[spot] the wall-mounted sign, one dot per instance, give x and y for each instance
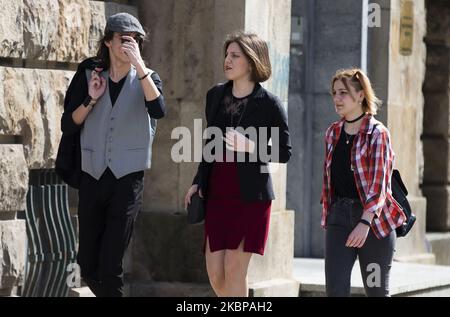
(406, 27)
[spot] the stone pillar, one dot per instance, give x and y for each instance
(436, 124)
(186, 49)
(405, 103)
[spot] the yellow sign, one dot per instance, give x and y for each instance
(406, 27)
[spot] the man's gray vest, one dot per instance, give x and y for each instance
(118, 137)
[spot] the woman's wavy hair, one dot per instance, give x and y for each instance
(359, 81)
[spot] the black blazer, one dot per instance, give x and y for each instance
(68, 159)
(263, 110)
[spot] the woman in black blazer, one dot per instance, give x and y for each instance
(236, 183)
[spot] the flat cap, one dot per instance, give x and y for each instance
(124, 23)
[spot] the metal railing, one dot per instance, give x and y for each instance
(51, 236)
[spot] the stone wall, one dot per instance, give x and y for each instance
(436, 124)
(405, 100)
(405, 120)
(32, 108)
(41, 43)
(182, 52)
(54, 30)
(13, 255)
(13, 189)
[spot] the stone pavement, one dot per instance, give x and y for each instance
(407, 279)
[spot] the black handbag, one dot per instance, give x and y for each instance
(196, 209)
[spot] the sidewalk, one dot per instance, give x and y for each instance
(407, 279)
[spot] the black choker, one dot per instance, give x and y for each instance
(353, 121)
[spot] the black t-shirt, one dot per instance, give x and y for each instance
(115, 88)
(342, 177)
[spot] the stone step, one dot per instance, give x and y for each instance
(440, 242)
(271, 288)
(81, 292)
(275, 288)
(168, 289)
(407, 279)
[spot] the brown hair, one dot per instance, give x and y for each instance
(359, 81)
(103, 51)
(256, 51)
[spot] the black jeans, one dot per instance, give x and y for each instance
(107, 209)
(375, 257)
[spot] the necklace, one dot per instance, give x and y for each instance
(353, 121)
(240, 118)
(238, 104)
(348, 137)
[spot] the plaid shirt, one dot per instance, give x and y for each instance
(372, 165)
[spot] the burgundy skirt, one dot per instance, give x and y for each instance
(229, 219)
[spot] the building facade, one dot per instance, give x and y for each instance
(403, 45)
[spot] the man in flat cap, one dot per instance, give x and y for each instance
(110, 113)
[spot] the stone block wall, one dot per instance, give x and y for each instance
(405, 108)
(436, 123)
(13, 189)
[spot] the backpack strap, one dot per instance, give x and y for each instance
(373, 129)
(370, 139)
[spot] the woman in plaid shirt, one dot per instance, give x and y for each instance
(359, 213)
